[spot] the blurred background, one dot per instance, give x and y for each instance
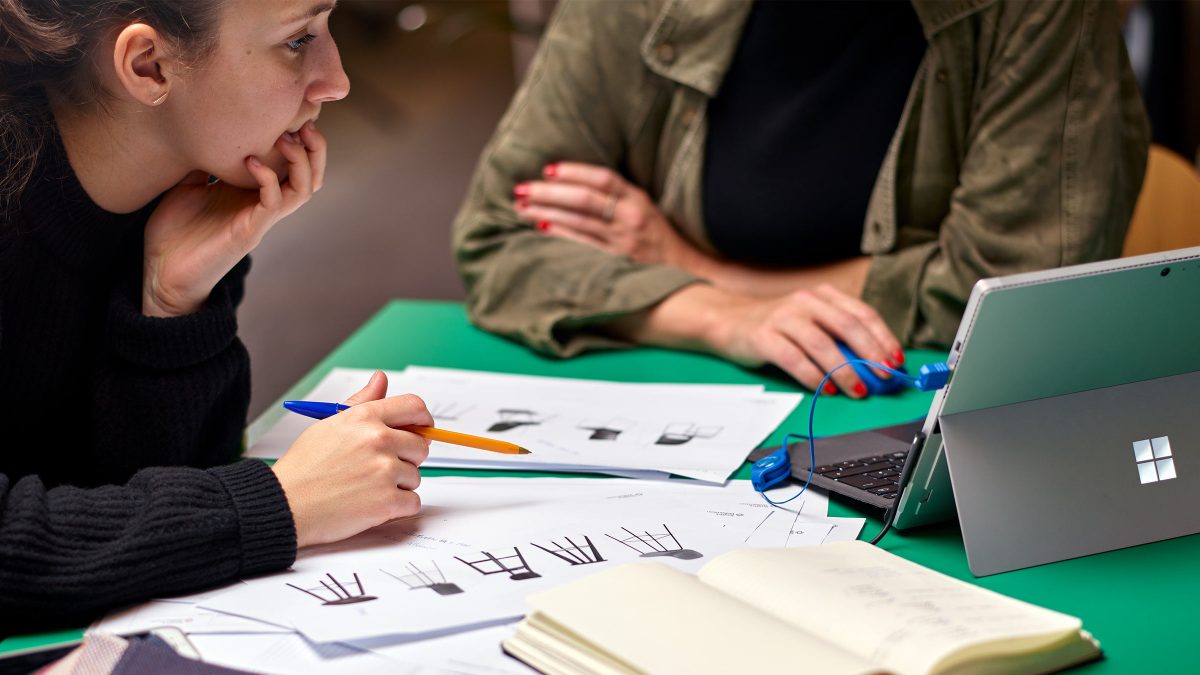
(429, 82)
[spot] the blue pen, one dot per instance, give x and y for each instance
(320, 410)
(315, 409)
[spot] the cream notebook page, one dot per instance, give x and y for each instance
(885, 609)
(700, 630)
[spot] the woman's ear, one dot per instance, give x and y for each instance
(140, 60)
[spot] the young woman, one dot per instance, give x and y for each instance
(761, 180)
(146, 147)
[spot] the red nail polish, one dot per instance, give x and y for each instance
(521, 190)
(898, 357)
(550, 171)
(829, 389)
(522, 204)
(890, 364)
(543, 225)
(860, 389)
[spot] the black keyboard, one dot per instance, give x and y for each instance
(879, 474)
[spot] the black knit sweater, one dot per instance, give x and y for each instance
(92, 392)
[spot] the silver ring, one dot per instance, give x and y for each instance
(610, 208)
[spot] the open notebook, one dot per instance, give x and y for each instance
(840, 608)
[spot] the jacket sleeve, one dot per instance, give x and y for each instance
(545, 291)
(1055, 150)
(68, 554)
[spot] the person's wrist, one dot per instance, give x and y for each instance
(299, 521)
(155, 306)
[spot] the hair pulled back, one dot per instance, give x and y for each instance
(48, 45)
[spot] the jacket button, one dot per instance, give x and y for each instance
(687, 117)
(941, 76)
(665, 52)
(876, 226)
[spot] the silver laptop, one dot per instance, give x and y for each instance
(1071, 424)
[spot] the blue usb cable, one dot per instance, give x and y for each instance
(776, 467)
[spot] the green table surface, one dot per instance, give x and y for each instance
(1140, 602)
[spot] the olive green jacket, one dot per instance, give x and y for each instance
(1021, 147)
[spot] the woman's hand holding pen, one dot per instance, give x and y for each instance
(356, 469)
(199, 231)
(595, 206)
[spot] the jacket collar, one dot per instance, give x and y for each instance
(693, 41)
(936, 15)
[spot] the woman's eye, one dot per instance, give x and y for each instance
(299, 42)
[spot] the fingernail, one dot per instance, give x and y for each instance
(522, 205)
(291, 138)
(521, 190)
(550, 170)
(860, 389)
(898, 357)
(890, 363)
(254, 160)
(543, 225)
(829, 389)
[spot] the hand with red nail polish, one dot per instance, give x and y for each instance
(797, 332)
(595, 206)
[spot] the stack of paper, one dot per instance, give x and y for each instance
(438, 591)
(703, 432)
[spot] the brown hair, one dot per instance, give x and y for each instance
(47, 45)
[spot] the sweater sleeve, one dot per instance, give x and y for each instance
(67, 554)
(170, 391)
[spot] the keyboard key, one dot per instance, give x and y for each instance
(854, 471)
(864, 482)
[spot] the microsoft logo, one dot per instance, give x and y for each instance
(1154, 461)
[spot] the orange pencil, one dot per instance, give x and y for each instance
(467, 440)
(320, 410)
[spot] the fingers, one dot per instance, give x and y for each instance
(861, 327)
(270, 195)
(779, 349)
(315, 142)
(600, 178)
(563, 232)
(299, 184)
(375, 389)
(579, 199)
(398, 411)
(820, 348)
(572, 220)
(406, 503)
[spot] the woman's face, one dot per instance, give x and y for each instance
(273, 66)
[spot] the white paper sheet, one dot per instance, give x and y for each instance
(698, 431)
(481, 545)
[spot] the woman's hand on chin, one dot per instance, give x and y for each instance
(200, 231)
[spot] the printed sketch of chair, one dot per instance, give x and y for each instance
(339, 595)
(511, 418)
(443, 410)
(574, 554)
(652, 545)
(515, 573)
(418, 578)
(607, 430)
(678, 433)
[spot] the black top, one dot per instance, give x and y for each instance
(91, 391)
(800, 126)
